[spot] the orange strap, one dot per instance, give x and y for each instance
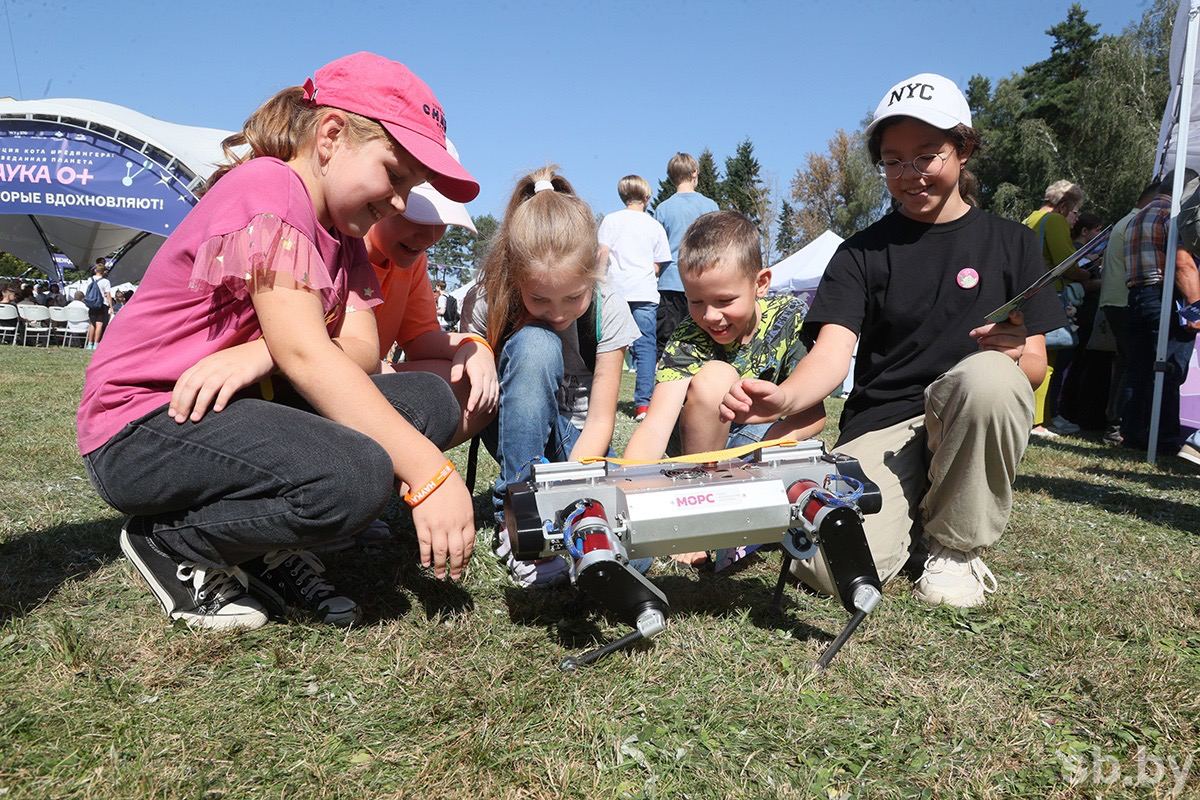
(479, 340)
(698, 458)
(415, 499)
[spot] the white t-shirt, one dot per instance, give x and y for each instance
(104, 286)
(636, 242)
(617, 330)
(77, 327)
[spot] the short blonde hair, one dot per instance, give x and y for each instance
(1063, 194)
(682, 167)
(721, 236)
(633, 188)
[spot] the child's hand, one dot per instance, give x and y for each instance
(445, 524)
(694, 560)
(753, 400)
(476, 362)
(214, 379)
(1007, 337)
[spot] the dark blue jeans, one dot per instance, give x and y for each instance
(261, 476)
(643, 350)
(1142, 317)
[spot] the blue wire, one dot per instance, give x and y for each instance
(569, 532)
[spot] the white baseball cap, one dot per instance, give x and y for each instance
(427, 206)
(929, 97)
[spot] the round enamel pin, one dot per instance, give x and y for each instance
(967, 278)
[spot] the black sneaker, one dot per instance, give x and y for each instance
(288, 579)
(201, 597)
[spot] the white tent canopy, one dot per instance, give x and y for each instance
(178, 156)
(1181, 123)
(1168, 132)
(802, 270)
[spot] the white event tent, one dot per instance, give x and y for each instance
(94, 180)
(802, 270)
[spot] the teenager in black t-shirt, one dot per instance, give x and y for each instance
(942, 402)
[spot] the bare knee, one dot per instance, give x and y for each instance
(708, 386)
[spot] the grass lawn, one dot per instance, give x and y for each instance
(1082, 670)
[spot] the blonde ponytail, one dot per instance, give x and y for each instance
(546, 228)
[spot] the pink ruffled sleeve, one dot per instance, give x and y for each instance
(363, 289)
(267, 245)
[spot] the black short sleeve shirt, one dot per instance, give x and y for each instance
(913, 291)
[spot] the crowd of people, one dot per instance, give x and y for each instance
(1102, 362)
(97, 297)
(266, 327)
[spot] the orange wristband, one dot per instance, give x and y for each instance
(415, 499)
(471, 337)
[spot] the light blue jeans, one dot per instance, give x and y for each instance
(643, 351)
(529, 425)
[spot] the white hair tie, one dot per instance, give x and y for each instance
(542, 185)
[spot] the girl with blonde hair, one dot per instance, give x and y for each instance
(560, 338)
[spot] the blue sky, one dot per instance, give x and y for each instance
(603, 89)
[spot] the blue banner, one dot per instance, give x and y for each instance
(61, 263)
(62, 171)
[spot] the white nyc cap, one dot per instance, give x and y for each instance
(928, 97)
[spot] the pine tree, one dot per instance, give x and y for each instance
(486, 225)
(709, 181)
(743, 188)
(787, 237)
(666, 189)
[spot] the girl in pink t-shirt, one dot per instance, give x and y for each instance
(250, 311)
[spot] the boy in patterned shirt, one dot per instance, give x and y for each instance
(734, 331)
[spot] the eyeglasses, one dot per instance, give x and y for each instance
(926, 166)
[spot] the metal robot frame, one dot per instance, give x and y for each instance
(604, 513)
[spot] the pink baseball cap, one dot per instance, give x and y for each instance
(387, 91)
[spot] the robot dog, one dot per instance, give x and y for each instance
(604, 512)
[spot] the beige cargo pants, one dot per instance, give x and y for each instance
(949, 473)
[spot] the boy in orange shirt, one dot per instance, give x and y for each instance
(407, 317)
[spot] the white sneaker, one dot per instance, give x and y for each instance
(1063, 425)
(954, 578)
(1189, 453)
(1043, 432)
(541, 574)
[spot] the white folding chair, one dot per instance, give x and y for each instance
(58, 323)
(8, 322)
(37, 323)
(74, 316)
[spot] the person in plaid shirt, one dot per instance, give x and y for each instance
(1145, 261)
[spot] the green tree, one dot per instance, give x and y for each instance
(743, 189)
(665, 190)
(450, 258)
(12, 266)
(1120, 108)
(1088, 113)
(487, 225)
(838, 190)
(456, 257)
(787, 234)
(709, 181)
